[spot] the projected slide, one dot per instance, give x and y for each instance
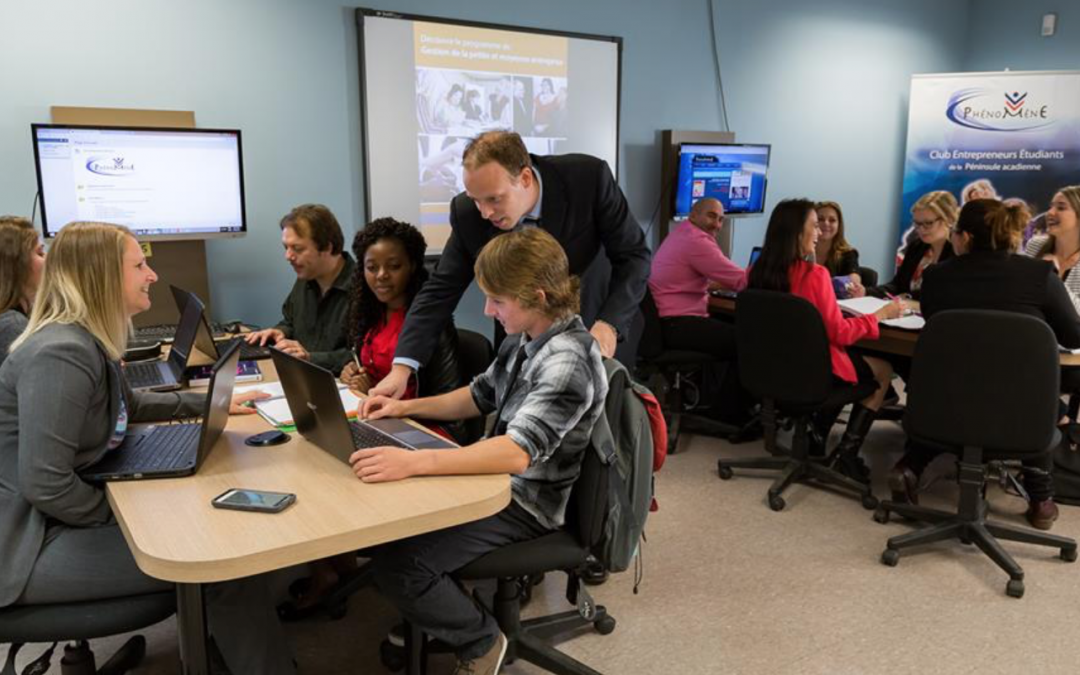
(560, 93)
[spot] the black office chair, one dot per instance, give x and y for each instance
(475, 354)
(869, 276)
(784, 361)
(78, 622)
(671, 367)
(983, 385)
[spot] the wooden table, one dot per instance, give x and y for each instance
(890, 341)
(176, 535)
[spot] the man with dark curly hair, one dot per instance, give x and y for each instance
(312, 326)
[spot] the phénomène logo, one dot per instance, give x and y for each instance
(981, 109)
(109, 166)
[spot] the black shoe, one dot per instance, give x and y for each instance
(904, 485)
(593, 573)
(750, 431)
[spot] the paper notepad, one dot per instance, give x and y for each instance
(275, 409)
(909, 322)
(863, 305)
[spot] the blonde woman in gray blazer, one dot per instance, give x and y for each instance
(63, 405)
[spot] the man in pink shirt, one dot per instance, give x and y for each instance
(688, 263)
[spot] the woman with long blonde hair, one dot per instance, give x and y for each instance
(64, 405)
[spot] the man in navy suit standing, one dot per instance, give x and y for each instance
(573, 197)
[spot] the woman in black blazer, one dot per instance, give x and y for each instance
(986, 275)
(932, 218)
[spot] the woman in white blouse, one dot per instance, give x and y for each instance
(1061, 243)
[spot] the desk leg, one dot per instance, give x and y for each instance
(191, 629)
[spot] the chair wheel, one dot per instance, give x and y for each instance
(605, 625)
(869, 502)
(890, 557)
(1068, 554)
(1015, 588)
(881, 515)
(725, 471)
(777, 503)
(392, 656)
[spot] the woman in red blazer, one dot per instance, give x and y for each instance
(786, 264)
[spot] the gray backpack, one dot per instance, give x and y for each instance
(624, 439)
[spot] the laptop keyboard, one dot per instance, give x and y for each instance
(141, 375)
(166, 447)
(165, 332)
(247, 352)
(364, 436)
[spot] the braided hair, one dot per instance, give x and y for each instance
(365, 310)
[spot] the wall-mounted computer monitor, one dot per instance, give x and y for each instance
(736, 174)
(160, 183)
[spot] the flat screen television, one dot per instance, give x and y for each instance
(736, 174)
(160, 183)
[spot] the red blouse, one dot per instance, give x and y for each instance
(813, 282)
(378, 346)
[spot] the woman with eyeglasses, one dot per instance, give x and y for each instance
(1061, 243)
(932, 217)
(986, 275)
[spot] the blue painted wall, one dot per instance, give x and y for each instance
(1005, 35)
(825, 82)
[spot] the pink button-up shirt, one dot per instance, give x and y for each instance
(687, 260)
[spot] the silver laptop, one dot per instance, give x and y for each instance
(312, 394)
(168, 375)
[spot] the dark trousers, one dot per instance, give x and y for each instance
(1038, 482)
(414, 574)
(731, 402)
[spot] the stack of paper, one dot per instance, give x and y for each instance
(275, 409)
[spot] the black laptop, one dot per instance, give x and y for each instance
(312, 394)
(204, 335)
(172, 450)
(168, 375)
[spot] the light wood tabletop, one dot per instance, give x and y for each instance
(176, 535)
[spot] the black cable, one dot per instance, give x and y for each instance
(652, 218)
(33, 209)
(716, 60)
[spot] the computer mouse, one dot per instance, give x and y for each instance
(274, 437)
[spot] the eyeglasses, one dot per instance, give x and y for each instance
(925, 224)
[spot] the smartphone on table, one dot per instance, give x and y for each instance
(253, 500)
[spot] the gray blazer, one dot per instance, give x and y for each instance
(59, 402)
(12, 324)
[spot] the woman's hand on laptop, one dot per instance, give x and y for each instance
(238, 405)
(292, 348)
(377, 407)
(380, 465)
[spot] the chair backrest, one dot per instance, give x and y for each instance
(783, 348)
(474, 355)
(986, 379)
(869, 276)
(652, 335)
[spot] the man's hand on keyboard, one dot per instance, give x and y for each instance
(238, 404)
(262, 337)
(377, 407)
(379, 465)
